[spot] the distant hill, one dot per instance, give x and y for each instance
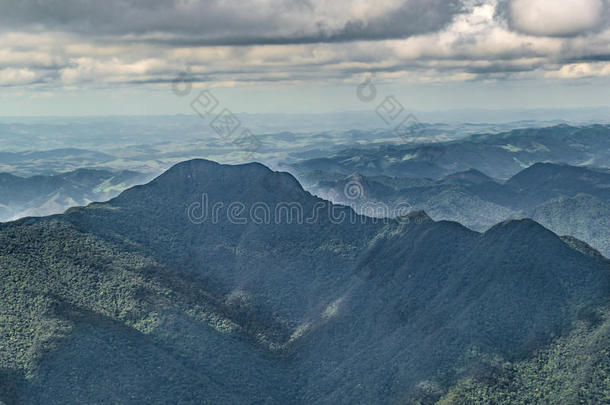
(51, 161)
(152, 298)
(545, 181)
(497, 155)
(46, 195)
(583, 216)
(568, 200)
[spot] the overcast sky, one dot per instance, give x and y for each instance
(121, 56)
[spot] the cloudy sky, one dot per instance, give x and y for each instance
(122, 56)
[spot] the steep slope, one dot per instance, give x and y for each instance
(432, 296)
(575, 369)
(276, 227)
(83, 321)
(582, 216)
(146, 299)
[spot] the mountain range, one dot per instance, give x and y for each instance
(569, 200)
(196, 288)
(434, 150)
(497, 155)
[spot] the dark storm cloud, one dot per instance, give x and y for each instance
(214, 22)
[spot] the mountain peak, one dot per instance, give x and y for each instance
(196, 168)
(245, 183)
(472, 175)
(196, 165)
(526, 225)
(417, 217)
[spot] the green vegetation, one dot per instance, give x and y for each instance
(72, 300)
(575, 369)
(130, 302)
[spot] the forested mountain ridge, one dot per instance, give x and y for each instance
(140, 300)
(569, 200)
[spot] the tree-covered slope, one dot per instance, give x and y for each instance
(574, 369)
(85, 322)
(144, 299)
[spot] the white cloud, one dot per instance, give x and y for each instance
(87, 69)
(556, 17)
(580, 70)
(14, 77)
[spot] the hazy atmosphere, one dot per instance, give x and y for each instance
(305, 202)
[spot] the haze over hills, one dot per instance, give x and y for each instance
(153, 144)
(295, 202)
(150, 298)
(431, 173)
(568, 200)
(497, 155)
(47, 162)
(46, 195)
